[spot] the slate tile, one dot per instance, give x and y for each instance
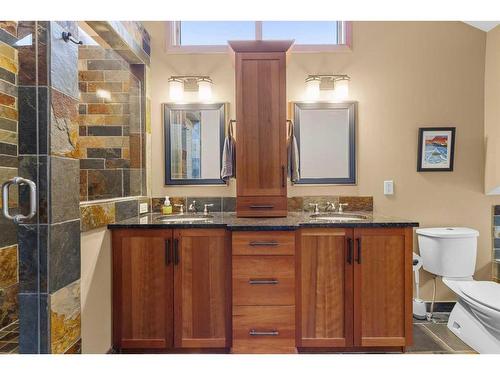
(7, 76)
(9, 161)
(104, 184)
(91, 163)
(33, 323)
(8, 306)
(33, 242)
(64, 189)
(64, 125)
(64, 254)
(9, 232)
(107, 131)
(33, 67)
(63, 63)
(6, 124)
(104, 153)
(97, 215)
(8, 149)
(117, 163)
(29, 114)
(126, 209)
(201, 201)
(229, 204)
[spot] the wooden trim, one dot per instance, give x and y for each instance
(323, 343)
(383, 341)
(143, 343)
(203, 343)
(408, 233)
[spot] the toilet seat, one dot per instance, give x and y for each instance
(486, 293)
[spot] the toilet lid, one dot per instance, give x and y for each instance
(485, 292)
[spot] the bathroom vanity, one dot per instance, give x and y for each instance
(276, 285)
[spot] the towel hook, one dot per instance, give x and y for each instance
(289, 130)
(67, 37)
(230, 128)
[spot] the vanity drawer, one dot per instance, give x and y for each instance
(261, 206)
(266, 280)
(264, 329)
(264, 243)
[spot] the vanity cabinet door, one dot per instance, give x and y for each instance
(202, 260)
(325, 274)
(383, 287)
(142, 289)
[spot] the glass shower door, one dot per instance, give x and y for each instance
(21, 46)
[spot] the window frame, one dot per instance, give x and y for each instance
(344, 34)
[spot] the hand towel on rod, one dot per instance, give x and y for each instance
(229, 155)
(293, 155)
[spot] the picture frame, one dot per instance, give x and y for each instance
(436, 149)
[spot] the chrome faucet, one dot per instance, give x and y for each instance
(341, 207)
(181, 208)
(205, 210)
(316, 207)
(330, 205)
(192, 207)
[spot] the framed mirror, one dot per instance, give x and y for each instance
(194, 138)
(326, 141)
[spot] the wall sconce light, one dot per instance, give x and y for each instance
(179, 84)
(338, 82)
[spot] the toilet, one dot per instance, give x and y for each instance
(451, 254)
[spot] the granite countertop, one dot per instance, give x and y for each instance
(293, 221)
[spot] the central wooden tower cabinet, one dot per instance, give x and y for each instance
(261, 157)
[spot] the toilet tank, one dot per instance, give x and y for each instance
(448, 252)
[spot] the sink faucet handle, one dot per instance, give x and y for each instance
(341, 206)
(192, 207)
(316, 207)
(205, 210)
(181, 208)
(330, 205)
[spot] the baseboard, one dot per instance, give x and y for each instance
(440, 306)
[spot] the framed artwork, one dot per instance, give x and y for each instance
(436, 149)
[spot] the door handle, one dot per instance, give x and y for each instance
(168, 252)
(176, 251)
(254, 332)
(261, 206)
(358, 259)
(263, 243)
(19, 218)
(349, 250)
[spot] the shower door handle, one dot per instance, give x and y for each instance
(18, 218)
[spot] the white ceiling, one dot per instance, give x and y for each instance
(483, 25)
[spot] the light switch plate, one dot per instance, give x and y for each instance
(389, 187)
(143, 208)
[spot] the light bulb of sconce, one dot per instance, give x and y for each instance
(204, 90)
(312, 88)
(341, 90)
(176, 88)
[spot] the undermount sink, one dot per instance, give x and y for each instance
(184, 218)
(332, 216)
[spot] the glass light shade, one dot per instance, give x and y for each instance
(312, 88)
(176, 88)
(204, 90)
(341, 91)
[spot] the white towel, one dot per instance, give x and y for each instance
(293, 159)
(228, 159)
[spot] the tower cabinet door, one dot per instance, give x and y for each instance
(383, 287)
(202, 288)
(142, 289)
(325, 274)
(261, 127)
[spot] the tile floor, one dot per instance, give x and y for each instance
(428, 338)
(9, 339)
(435, 337)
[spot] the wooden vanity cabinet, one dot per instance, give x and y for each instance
(354, 287)
(261, 165)
(171, 289)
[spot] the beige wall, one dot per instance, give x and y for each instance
(492, 111)
(404, 75)
(96, 291)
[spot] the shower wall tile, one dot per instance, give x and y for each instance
(33, 245)
(9, 307)
(201, 201)
(104, 184)
(35, 168)
(63, 62)
(228, 204)
(64, 257)
(31, 54)
(34, 323)
(64, 125)
(65, 318)
(64, 191)
(29, 114)
(9, 263)
(8, 230)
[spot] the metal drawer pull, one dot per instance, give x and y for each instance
(262, 206)
(254, 332)
(263, 281)
(263, 243)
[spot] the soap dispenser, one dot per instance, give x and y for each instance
(166, 209)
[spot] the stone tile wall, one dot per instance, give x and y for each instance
(111, 126)
(9, 264)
